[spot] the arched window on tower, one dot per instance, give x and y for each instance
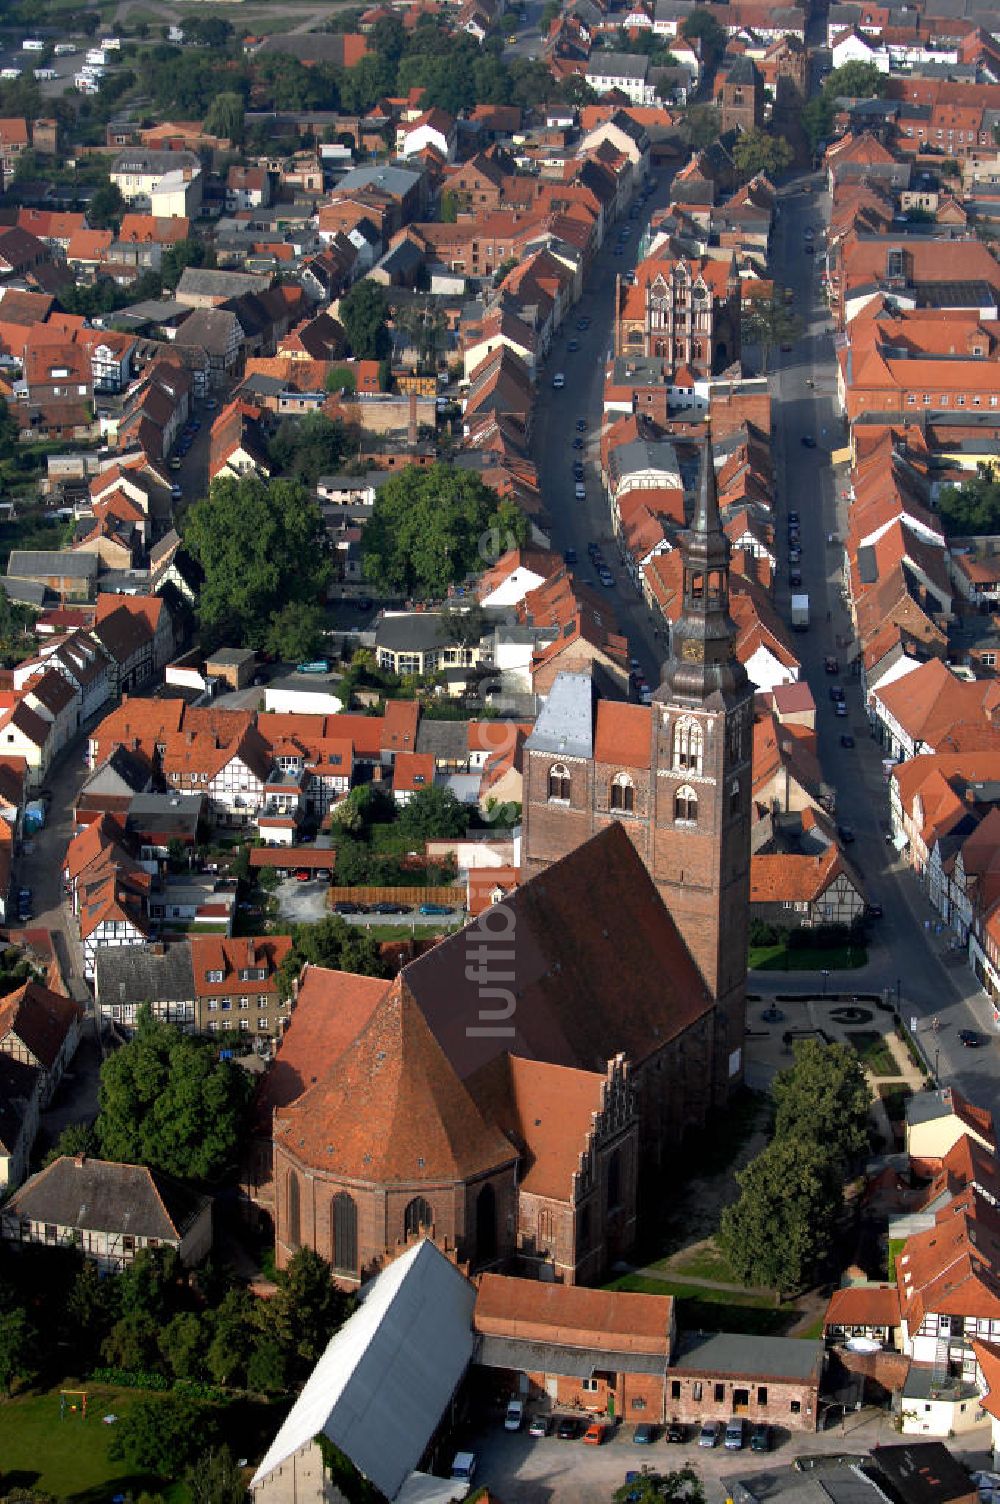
(559, 781)
(689, 744)
(344, 1233)
(622, 793)
(418, 1215)
(686, 805)
(294, 1237)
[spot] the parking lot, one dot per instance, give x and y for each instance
(522, 1469)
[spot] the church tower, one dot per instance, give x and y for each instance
(702, 736)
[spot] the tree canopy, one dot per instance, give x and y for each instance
(854, 80)
(768, 322)
(332, 943)
(261, 545)
(168, 1101)
(757, 150)
(702, 26)
(306, 448)
(823, 1099)
(432, 814)
(432, 527)
(362, 312)
(972, 508)
(780, 1230)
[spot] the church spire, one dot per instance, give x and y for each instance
(702, 660)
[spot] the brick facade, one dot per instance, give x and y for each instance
(696, 1397)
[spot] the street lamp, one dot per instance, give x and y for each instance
(826, 978)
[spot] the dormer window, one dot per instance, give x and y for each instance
(214, 976)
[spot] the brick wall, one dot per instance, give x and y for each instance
(703, 1396)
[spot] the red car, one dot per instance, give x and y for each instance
(302, 876)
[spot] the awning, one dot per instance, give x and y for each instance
(900, 840)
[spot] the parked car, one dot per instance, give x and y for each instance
(569, 556)
(836, 693)
(435, 908)
(847, 741)
(644, 1434)
(558, 381)
(808, 442)
(596, 1433)
(573, 346)
(795, 578)
(464, 1466)
(385, 907)
(846, 834)
(840, 709)
(676, 1432)
(541, 1425)
(831, 665)
(344, 907)
(568, 1428)
(735, 1434)
(580, 491)
(303, 875)
(581, 425)
(970, 1039)
(577, 443)
(760, 1438)
(514, 1418)
(793, 518)
(708, 1436)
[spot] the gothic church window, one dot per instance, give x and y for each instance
(559, 784)
(622, 793)
(686, 805)
(688, 744)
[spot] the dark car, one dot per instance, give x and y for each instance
(578, 470)
(677, 1432)
(760, 1438)
(581, 425)
(808, 249)
(795, 579)
(831, 665)
(644, 1434)
(568, 1428)
(569, 556)
(847, 741)
(846, 834)
(836, 693)
(573, 346)
(389, 908)
(344, 907)
(808, 442)
(793, 519)
(873, 911)
(577, 443)
(970, 1039)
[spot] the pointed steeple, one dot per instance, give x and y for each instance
(703, 662)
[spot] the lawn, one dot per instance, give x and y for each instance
(781, 958)
(706, 1263)
(895, 1249)
(704, 1310)
(873, 1051)
(69, 1457)
(406, 932)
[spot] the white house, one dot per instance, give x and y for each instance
(434, 129)
(626, 71)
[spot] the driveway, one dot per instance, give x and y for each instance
(524, 1470)
(302, 903)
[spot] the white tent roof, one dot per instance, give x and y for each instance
(381, 1387)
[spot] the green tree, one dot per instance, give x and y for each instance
(305, 1311)
(225, 116)
(297, 632)
(132, 1342)
(19, 1349)
(306, 448)
(431, 527)
(260, 544)
(75, 1139)
(182, 1344)
(8, 431)
(167, 1101)
(682, 1485)
(854, 80)
(757, 150)
(333, 944)
(551, 10)
(780, 1230)
(234, 1337)
(215, 1478)
(768, 322)
(702, 124)
(823, 1098)
(362, 312)
(87, 1314)
(972, 508)
(433, 814)
(702, 26)
(268, 1371)
(106, 206)
(161, 1435)
(341, 379)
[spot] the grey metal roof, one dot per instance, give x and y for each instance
(385, 1380)
(137, 974)
(760, 1357)
(551, 1357)
(566, 721)
(928, 1106)
(867, 564)
(210, 282)
(831, 1483)
(145, 160)
(29, 563)
(25, 592)
(447, 739)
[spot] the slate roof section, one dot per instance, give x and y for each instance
(97, 1195)
(792, 1359)
(141, 974)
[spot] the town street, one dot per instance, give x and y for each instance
(907, 956)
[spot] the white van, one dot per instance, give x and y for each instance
(98, 56)
(65, 49)
(32, 44)
(44, 73)
(464, 1466)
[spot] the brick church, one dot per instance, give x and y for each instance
(508, 1088)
